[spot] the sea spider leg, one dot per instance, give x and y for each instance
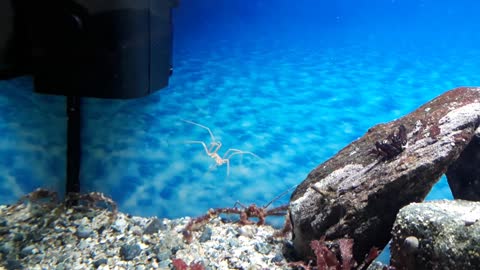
(214, 147)
(214, 144)
(207, 150)
(212, 152)
(232, 152)
(214, 141)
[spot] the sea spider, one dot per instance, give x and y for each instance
(215, 145)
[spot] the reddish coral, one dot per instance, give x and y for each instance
(180, 264)
(326, 259)
(346, 247)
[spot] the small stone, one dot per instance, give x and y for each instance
(175, 249)
(28, 250)
(37, 258)
(82, 245)
(60, 266)
(4, 231)
(206, 235)
(83, 231)
(377, 266)
(63, 258)
(164, 255)
(278, 258)
(129, 252)
(262, 248)
(410, 244)
(104, 267)
(3, 222)
(101, 229)
(6, 248)
(154, 226)
(233, 242)
(35, 236)
(18, 237)
(246, 231)
(164, 264)
(136, 231)
(120, 225)
(140, 267)
(13, 264)
(231, 231)
(99, 262)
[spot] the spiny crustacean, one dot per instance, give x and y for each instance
(393, 145)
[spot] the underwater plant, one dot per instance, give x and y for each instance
(180, 264)
(214, 147)
(337, 255)
(393, 145)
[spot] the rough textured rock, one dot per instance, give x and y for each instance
(464, 174)
(437, 235)
(357, 194)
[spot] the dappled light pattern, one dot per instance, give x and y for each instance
(294, 105)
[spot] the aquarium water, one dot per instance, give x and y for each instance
(283, 85)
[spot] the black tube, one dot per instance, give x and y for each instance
(73, 144)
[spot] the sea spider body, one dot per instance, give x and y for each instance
(215, 146)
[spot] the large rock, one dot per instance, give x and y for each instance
(464, 174)
(358, 192)
(437, 235)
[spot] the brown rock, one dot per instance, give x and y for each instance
(464, 174)
(358, 192)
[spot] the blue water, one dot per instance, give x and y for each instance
(291, 82)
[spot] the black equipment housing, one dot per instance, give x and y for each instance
(88, 48)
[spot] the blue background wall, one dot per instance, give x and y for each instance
(291, 81)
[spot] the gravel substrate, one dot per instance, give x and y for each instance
(41, 236)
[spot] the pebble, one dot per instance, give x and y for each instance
(262, 248)
(3, 231)
(206, 235)
(83, 231)
(164, 255)
(35, 236)
(99, 262)
(18, 237)
(28, 250)
(6, 247)
(411, 244)
(154, 226)
(120, 225)
(164, 264)
(3, 222)
(128, 252)
(278, 258)
(90, 239)
(13, 264)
